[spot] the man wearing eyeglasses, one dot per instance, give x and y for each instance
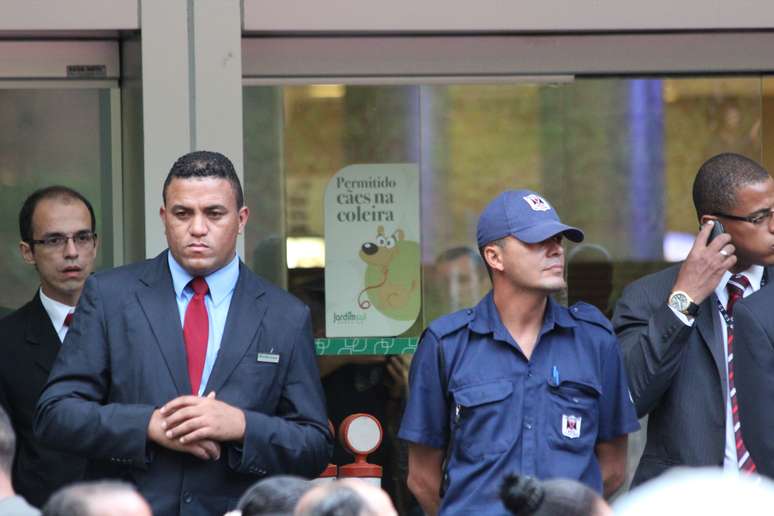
(677, 331)
(58, 238)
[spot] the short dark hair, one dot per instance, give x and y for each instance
(7, 443)
(205, 164)
(76, 499)
(274, 495)
(528, 496)
(720, 178)
(454, 253)
(50, 192)
(339, 500)
(500, 242)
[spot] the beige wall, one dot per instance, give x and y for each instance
(506, 15)
(413, 15)
(64, 15)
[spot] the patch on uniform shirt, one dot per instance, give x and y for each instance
(537, 203)
(571, 426)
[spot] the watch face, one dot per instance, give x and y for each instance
(679, 301)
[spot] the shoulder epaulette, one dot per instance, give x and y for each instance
(585, 312)
(451, 322)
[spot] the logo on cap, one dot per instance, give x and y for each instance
(536, 202)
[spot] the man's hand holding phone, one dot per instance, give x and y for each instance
(712, 254)
(717, 230)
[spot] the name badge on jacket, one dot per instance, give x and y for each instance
(271, 358)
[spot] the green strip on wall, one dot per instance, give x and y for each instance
(366, 345)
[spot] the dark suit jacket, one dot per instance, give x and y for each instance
(676, 375)
(124, 356)
(28, 347)
(754, 375)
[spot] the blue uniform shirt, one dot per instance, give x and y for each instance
(495, 412)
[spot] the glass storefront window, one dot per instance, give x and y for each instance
(615, 156)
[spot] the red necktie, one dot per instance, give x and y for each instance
(736, 286)
(196, 331)
(68, 319)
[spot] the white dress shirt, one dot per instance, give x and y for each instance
(56, 312)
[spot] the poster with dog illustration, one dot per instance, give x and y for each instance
(372, 252)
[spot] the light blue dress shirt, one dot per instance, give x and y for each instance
(222, 283)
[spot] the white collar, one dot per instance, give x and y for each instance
(56, 311)
(754, 274)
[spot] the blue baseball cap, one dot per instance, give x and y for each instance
(524, 214)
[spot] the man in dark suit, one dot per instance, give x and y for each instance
(754, 357)
(187, 374)
(57, 227)
(674, 325)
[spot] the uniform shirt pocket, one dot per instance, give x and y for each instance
(484, 419)
(573, 413)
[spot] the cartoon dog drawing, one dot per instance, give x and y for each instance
(392, 275)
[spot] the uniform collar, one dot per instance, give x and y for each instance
(486, 319)
(56, 311)
(221, 282)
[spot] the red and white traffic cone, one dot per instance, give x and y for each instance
(361, 435)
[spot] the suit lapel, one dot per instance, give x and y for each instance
(41, 336)
(708, 324)
(245, 313)
(158, 303)
(768, 275)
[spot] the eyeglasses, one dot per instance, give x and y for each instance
(756, 218)
(82, 239)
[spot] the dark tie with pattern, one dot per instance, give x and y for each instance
(736, 286)
(196, 331)
(68, 319)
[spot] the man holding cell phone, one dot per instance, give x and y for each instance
(676, 326)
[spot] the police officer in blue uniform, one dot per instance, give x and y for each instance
(519, 383)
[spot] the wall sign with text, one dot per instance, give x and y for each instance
(372, 252)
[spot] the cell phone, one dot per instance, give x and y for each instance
(717, 229)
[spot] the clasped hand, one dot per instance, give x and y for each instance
(197, 425)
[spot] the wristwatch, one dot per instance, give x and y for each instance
(683, 303)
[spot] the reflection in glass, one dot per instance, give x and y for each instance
(51, 137)
(616, 157)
